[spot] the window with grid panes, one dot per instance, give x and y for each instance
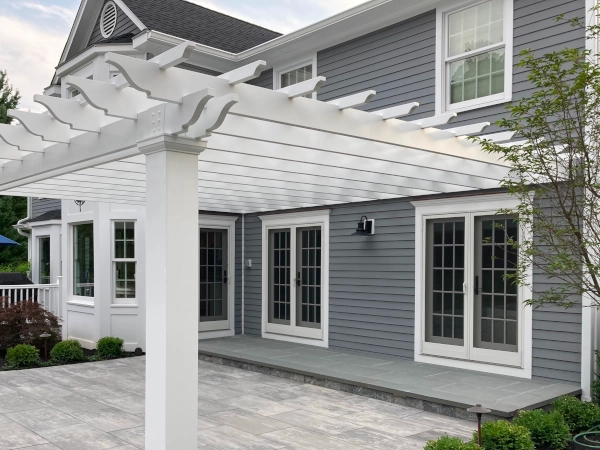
(475, 53)
(124, 260)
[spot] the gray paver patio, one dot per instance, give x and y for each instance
(239, 410)
(402, 378)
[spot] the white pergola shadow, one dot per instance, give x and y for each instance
(178, 141)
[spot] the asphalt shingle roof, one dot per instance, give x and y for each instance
(198, 24)
(55, 214)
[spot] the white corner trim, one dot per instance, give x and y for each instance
(138, 23)
(441, 81)
(278, 71)
(294, 220)
(467, 207)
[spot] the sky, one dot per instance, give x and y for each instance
(33, 32)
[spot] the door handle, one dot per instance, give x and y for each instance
(477, 285)
(298, 280)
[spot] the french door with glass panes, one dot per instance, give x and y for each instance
(295, 281)
(472, 307)
(214, 279)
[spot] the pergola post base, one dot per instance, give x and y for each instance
(172, 292)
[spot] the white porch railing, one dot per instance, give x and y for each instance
(47, 295)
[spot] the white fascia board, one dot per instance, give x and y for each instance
(342, 27)
(89, 54)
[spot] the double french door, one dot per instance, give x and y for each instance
(214, 279)
(295, 281)
(471, 304)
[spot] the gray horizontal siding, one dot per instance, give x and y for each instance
(253, 276)
(124, 27)
(372, 280)
(399, 61)
(265, 80)
(40, 206)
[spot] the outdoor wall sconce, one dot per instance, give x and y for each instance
(366, 227)
(79, 203)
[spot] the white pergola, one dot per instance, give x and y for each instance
(178, 141)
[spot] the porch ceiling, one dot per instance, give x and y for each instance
(265, 150)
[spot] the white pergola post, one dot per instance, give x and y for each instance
(172, 281)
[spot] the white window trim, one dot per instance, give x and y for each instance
(441, 75)
(301, 219)
(132, 301)
(222, 328)
(482, 204)
(279, 71)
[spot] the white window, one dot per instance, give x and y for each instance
(467, 306)
(474, 55)
(295, 277)
(44, 260)
(297, 73)
(124, 261)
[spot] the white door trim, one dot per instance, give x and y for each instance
(464, 357)
(222, 328)
(282, 332)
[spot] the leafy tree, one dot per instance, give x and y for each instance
(9, 98)
(555, 172)
(12, 209)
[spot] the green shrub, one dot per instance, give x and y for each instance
(579, 416)
(596, 382)
(67, 352)
(502, 435)
(449, 443)
(23, 355)
(546, 430)
(110, 347)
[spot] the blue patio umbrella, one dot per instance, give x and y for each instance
(7, 241)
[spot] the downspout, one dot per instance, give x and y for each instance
(243, 268)
(19, 226)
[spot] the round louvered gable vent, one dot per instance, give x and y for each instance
(108, 20)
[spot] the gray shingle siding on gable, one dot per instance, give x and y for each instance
(125, 27)
(40, 206)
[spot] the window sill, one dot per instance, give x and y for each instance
(476, 105)
(87, 304)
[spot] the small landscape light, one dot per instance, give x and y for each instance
(45, 337)
(479, 411)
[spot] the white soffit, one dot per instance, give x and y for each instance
(264, 152)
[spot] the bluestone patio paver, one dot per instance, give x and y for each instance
(239, 410)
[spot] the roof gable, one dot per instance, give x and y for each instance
(198, 24)
(125, 30)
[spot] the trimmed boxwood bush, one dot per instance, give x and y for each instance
(23, 355)
(110, 347)
(502, 435)
(579, 416)
(546, 430)
(450, 443)
(67, 352)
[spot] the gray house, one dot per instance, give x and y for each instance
(279, 255)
